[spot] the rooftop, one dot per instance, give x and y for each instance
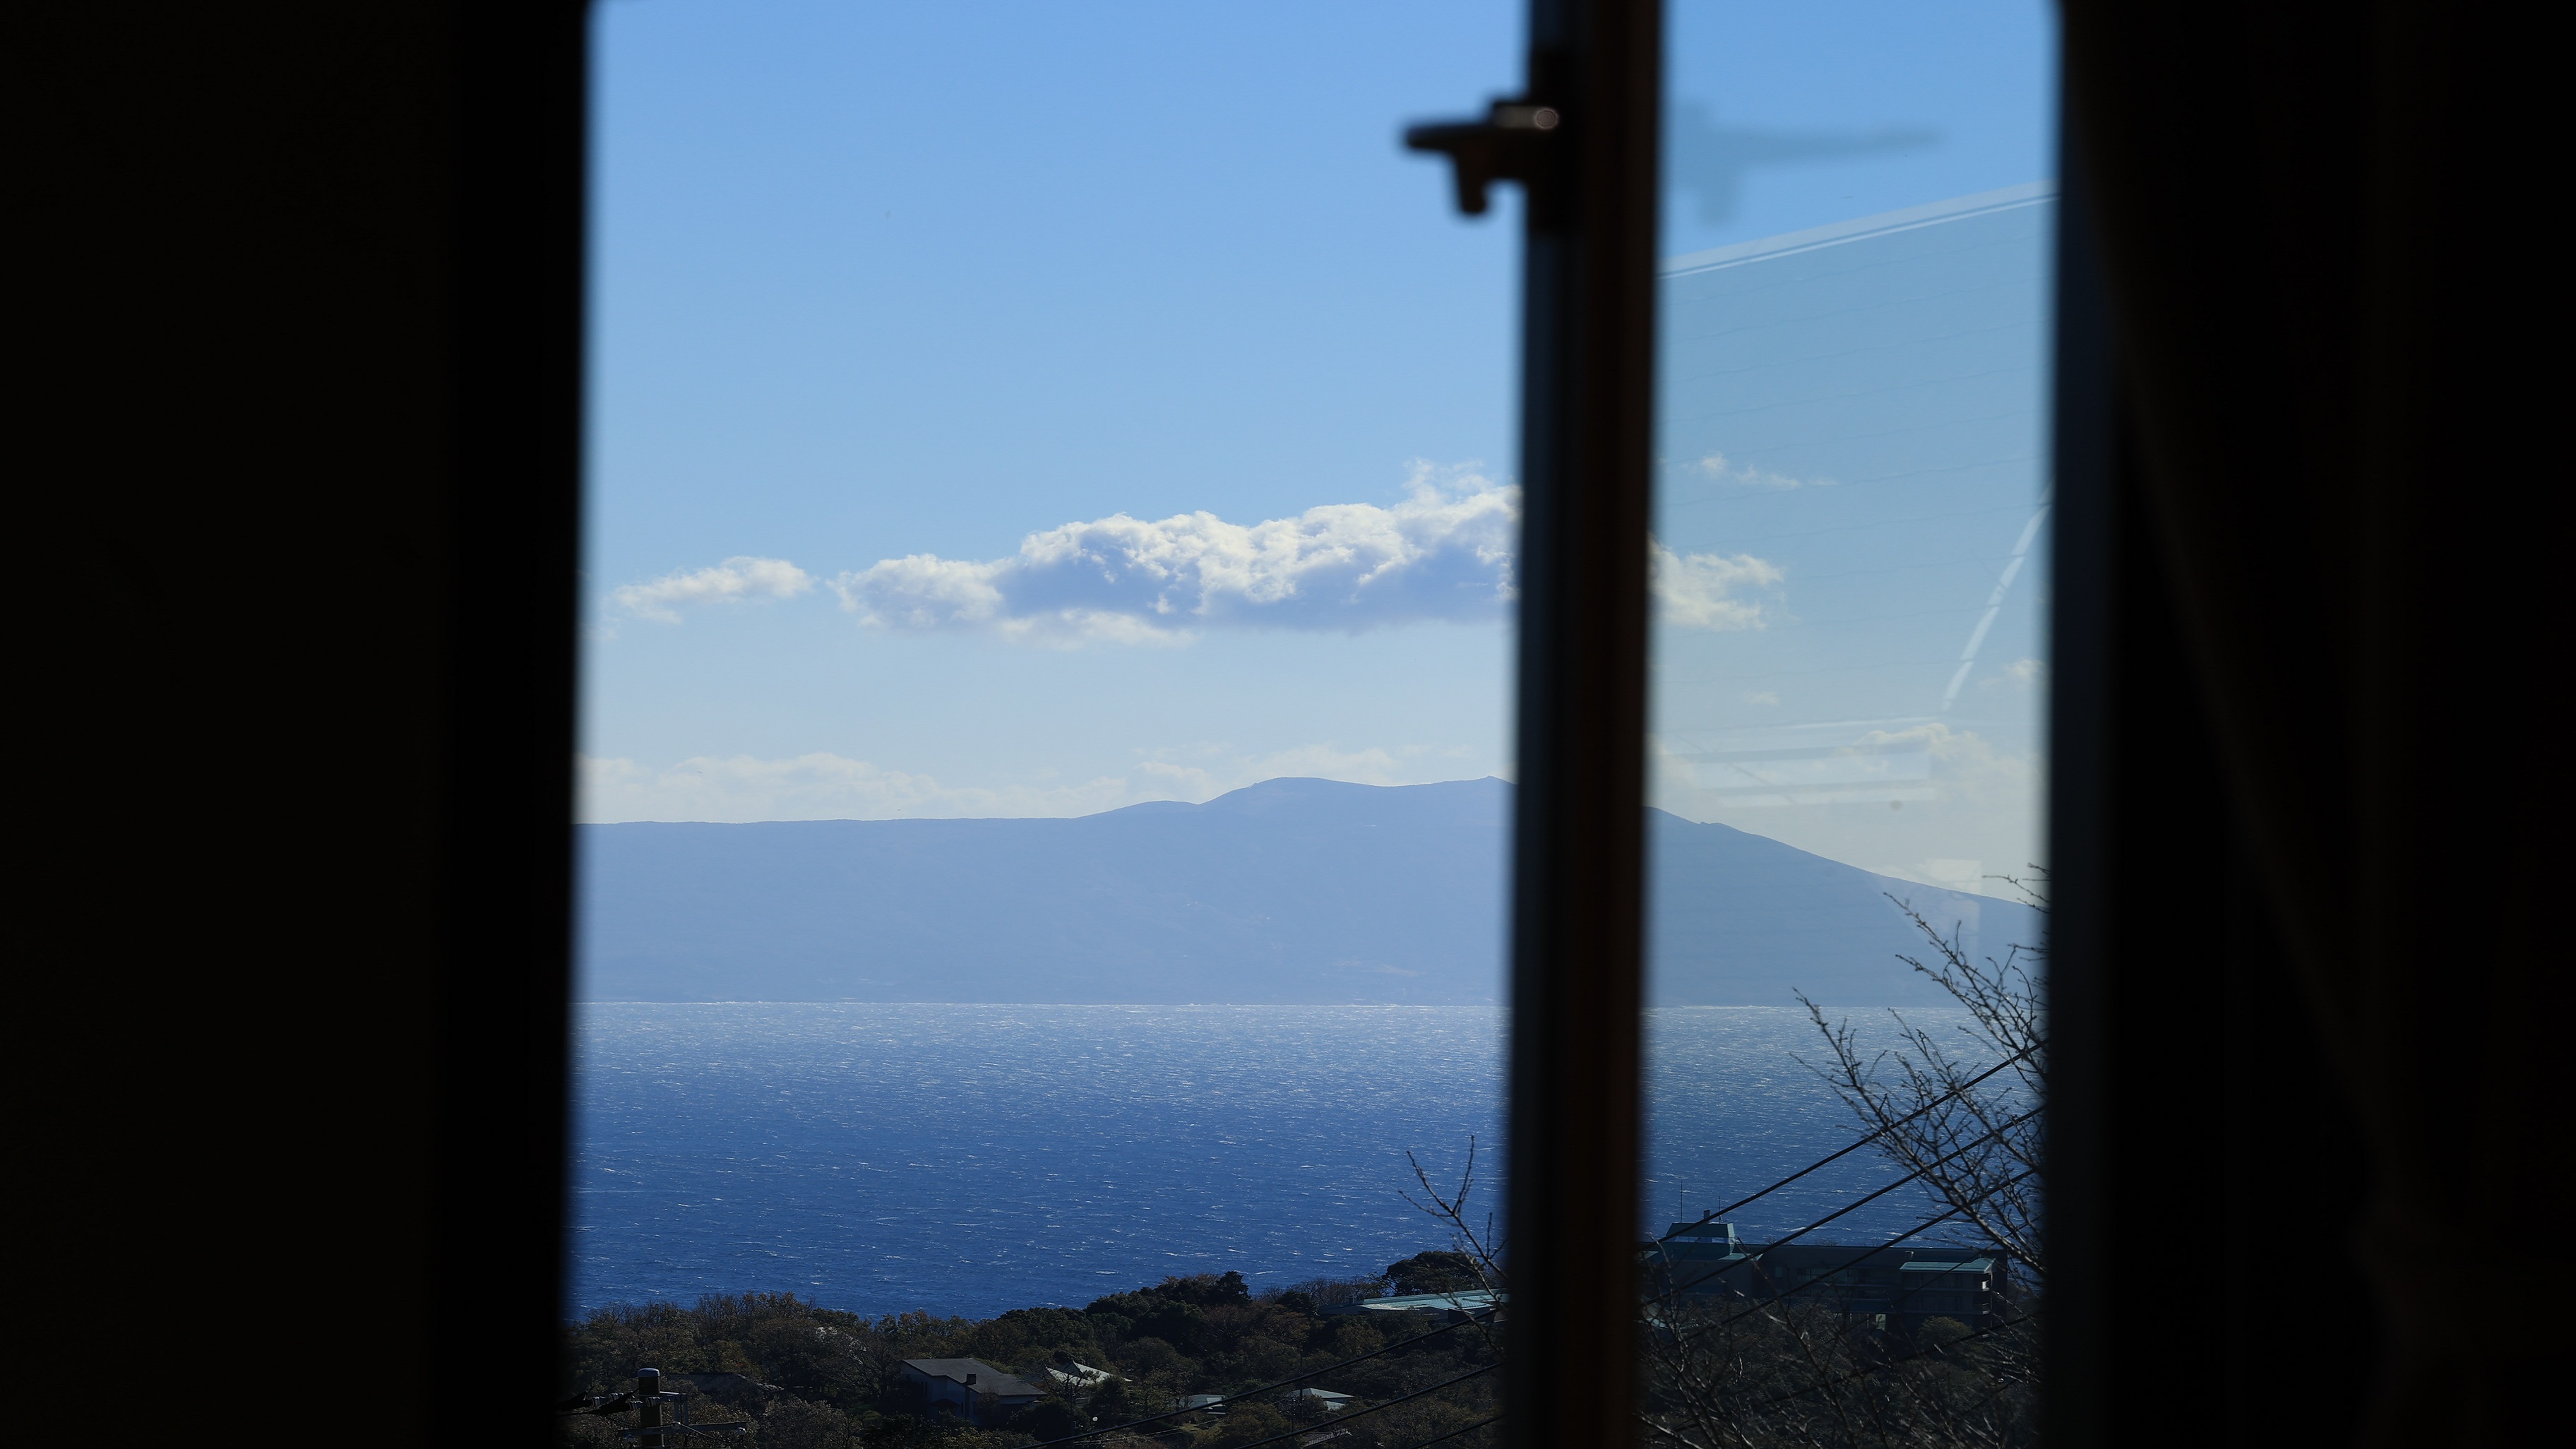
(988, 1379)
(1472, 1301)
(1972, 1265)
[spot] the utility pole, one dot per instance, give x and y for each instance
(648, 1409)
(652, 1429)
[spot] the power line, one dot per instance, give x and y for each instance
(1802, 1232)
(1417, 1338)
(1757, 1305)
(1714, 1214)
(1486, 1422)
(1860, 1257)
(1934, 1221)
(1462, 1429)
(1938, 1348)
(1448, 1328)
(1472, 1317)
(1855, 1375)
(1856, 1204)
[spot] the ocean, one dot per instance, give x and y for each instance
(972, 1159)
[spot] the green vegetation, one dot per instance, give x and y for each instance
(1806, 1375)
(818, 1378)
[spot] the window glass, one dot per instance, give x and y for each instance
(1046, 716)
(1849, 672)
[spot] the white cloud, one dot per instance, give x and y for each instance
(1412, 766)
(823, 786)
(730, 582)
(1445, 552)
(1974, 800)
(1715, 468)
(1701, 591)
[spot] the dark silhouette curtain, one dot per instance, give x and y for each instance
(2330, 281)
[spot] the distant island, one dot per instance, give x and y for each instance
(1289, 891)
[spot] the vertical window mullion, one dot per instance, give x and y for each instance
(1579, 856)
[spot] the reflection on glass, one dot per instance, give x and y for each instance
(1052, 543)
(1849, 568)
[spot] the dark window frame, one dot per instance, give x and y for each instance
(316, 291)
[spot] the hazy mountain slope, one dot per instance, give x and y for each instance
(1741, 919)
(1289, 891)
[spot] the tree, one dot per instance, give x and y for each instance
(797, 1424)
(1434, 1272)
(1049, 1418)
(1247, 1423)
(1959, 1115)
(1971, 1134)
(1111, 1403)
(1474, 1259)
(1804, 1375)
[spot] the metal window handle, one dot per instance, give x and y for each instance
(1510, 144)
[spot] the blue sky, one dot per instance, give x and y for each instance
(1035, 408)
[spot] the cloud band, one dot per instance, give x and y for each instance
(731, 582)
(1444, 552)
(1447, 551)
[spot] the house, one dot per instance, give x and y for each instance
(983, 1393)
(1898, 1285)
(1330, 1401)
(1455, 1306)
(1080, 1375)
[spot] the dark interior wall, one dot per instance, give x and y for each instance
(301, 334)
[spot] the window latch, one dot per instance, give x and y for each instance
(1510, 144)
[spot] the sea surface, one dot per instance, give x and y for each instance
(972, 1159)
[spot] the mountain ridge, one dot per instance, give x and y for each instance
(1291, 891)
